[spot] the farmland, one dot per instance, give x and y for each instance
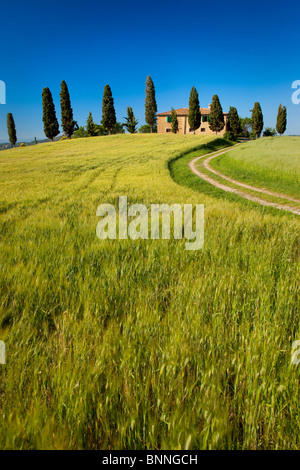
(123, 344)
(273, 163)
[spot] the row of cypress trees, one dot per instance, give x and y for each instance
(109, 115)
(51, 126)
(109, 121)
(216, 117)
(217, 121)
(257, 120)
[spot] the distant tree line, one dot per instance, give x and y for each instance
(109, 124)
(51, 126)
(236, 127)
(252, 128)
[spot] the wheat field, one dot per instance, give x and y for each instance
(140, 344)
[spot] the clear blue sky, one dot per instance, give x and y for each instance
(242, 51)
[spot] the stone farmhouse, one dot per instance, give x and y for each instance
(164, 122)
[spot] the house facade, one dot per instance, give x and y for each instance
(164, 122)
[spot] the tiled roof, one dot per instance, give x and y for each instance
(185, 112)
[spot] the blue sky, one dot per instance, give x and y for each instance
(242, 51)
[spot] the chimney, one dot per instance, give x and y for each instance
(209, 106)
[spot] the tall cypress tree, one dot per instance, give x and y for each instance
(109, 119)
(150, 103)
(51, 127)
(11, 129)
(281, 120)
(234, 123)
(67, 122)
(257, 120)
(216, 117)
(194, 116)
(174, 121)
(131, 121)
(91, 130)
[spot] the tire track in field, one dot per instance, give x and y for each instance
(240, 193)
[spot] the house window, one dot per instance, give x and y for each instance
(203, 129)
(205, 118)
(168, 130)
(169, 118)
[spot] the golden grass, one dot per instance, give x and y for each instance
(141, 344)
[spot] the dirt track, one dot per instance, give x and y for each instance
(240, 193)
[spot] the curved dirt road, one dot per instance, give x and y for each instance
(240, 193)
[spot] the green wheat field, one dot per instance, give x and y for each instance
(123, 344)
(273, 163)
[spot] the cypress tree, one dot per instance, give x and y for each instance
(108, 111)
(194, 117)
(150, 103)
(257, 120)
(51, 127)
(216, 117)
(67, 122)
(91, 130)
(234, 122)
(11, 129)
(281, 120)
(131, 122)
(174, 121)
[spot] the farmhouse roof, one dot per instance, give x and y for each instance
(185, 112)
